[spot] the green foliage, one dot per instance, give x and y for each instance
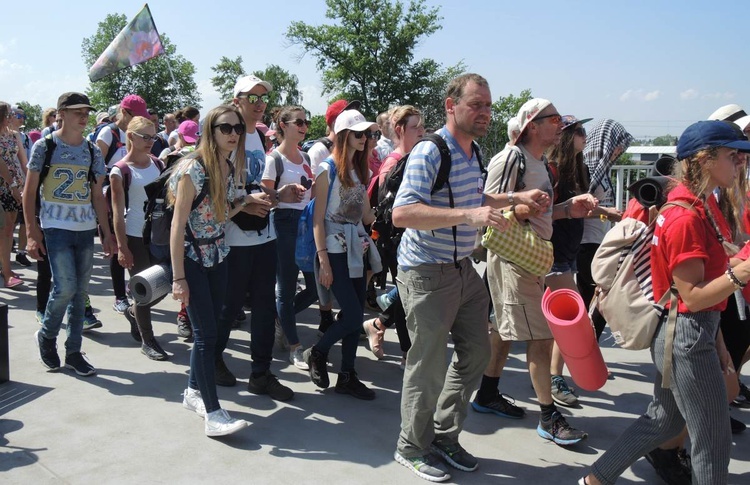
(33, 115)
(664, 141)
(625, 159)
(503, 109)
(317, 128)
(150, 80)
(367, 53)
(227, 71)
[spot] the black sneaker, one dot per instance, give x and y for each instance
(22, 259)
(737, 425)
(670, 467)
(428, 467)
(559, 431)
(184, 329)
(349, 383)
(134, 332)
(318, 363)
(455, 455)
(80, 364)
(47, 351)
(269, 384)
(500, 405)
(222, 375)
(151, 349)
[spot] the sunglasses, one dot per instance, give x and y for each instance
(146, 138)
(254, 98)
(226, 128)
(299, 122)
(367, 133)
(555, 118)
(20, 116)
(580, 131)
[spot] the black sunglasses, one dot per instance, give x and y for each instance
(299, 122)
(580, 131)
(373, 135)
(226, 128)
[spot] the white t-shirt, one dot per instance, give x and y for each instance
(106, 136)
(173, 137)
(318, 152)
(255, 160)
(292, 174)
(347, 209)
(134, 214)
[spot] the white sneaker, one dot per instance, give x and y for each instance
(295, 357)
(219, 423)
(193, 401)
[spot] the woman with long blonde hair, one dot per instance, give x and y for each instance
(202, 191)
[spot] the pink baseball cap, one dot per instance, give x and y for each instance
(135, 104)
(189, 131)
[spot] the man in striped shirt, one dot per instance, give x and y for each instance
(441, 291)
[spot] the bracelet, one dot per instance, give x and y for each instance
(178, 279)
(735, 281)
(510, 199)
(321, 251)
(243, 203)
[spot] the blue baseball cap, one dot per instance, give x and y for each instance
(707, 134)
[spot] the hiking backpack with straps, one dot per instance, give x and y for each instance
(388, 234)
(158, 214)
(624, 295)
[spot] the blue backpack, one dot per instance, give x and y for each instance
(304, 251)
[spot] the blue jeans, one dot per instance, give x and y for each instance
(71, 259)
(207, 289)
(252, 269)
(288, 304)
(350, 293)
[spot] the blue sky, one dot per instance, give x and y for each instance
(656, 66)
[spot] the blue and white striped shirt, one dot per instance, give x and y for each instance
(436, 246)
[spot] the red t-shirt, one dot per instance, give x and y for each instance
(682, 234)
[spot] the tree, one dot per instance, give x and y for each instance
(317, 128)
(664, 141)
(227, 71)
(503, 109)
(150, 80)
(33, 115)
(367, 52)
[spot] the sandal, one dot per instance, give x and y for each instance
(374, 337)
(13, 282)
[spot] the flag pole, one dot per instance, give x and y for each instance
(166, 54)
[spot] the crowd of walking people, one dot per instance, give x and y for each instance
(390, 196)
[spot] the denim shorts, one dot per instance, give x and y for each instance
(560, 267)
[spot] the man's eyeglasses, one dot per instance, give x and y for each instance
(146, 138)
(299, 122)
(554, 118)
(254, 98)
(226, 128)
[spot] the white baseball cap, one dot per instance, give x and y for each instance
(529, 111)
(729, 112)
(246, 83)
(353, 120)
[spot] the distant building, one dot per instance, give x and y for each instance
(643, 155)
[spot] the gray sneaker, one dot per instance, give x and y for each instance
(562, 394)
(428, 467)
(455, 455)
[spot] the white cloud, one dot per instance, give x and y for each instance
(689, 94)
(5, 46)
(639, 95)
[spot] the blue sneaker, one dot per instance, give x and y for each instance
(90, 321)
(121, 305)
(384, 302)
(500, 406)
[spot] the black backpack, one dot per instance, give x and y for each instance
(116, 142)
(158, 214)
(389, 235)
(50, 145)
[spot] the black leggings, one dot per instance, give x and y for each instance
(736, 332)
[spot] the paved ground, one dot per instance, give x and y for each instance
(127, 425)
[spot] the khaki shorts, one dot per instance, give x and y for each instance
(517, 299)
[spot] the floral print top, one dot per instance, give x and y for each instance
(8, 152)
(202, 220)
